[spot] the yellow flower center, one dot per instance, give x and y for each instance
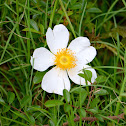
(65, 59)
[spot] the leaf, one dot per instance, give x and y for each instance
(34, 25)
(95, 111)
(123, 94)
(78, 90)
(36, 108)
(32, 30)
(94, 102)
(3, 90)
(101, 79)
(75, 6)
(99, 117)
(15, 116)
(125, 110)
(82, 112)
(1, 101)
(6, 108)
(83, 92)
(94, 10)
(101, 92)
(33, 108)
(83, 97)
(10, 97)
(73, 2)
(38, 77)
(25, 100)
(66, 95)
(69, 13)
(32, 120)
(121, 30)
(52, 103)
(87, 75)
(51, 123)
(67, 107)
(41, 28)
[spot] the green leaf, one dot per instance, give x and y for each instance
(66, 95)
(33, 108)
(123, 94)
(51, 123)
(25, 100)
(83, 92)
(67, 107)
(75, 6)
(77, 90)
(41, 28)
(95, 111)
(101, 79)
(34, 25)
(1, 101)
(73, 2)
(94, 10)
(32, 30)
(6, 108)
(94, 102)
(32, 120)
(83, 97)
(87, 75)
(10, 97)
(52, 103)
(3, 90)
(15, 116)
(69, 13)
(82, 112)
(101, 92)
(38, 77)
(99, 117)
(125, 110)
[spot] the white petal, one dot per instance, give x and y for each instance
(79, 44)
(55, 81)
(42, 59)
(57, 38)
(87, 55)
(73, 74)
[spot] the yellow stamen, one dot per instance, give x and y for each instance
(65, 59)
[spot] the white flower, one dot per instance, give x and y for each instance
(68, 61)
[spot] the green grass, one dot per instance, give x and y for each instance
(23, 26)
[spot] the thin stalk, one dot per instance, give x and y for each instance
(28, 41)
(122, 88)
(52, 15)
(82, 16)
(64, 10)
(46, 14)
(4, 50)
(11, 86)
(63, 13)
(17, 10)
(118, 53)
(124, 2)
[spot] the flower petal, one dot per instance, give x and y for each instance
(55, 81)
(57, 38)
(42, 59)
(79, 44)
(73, 74)
(87, 55)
